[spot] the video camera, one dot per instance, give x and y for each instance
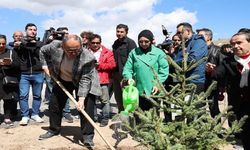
(29, 41)
(167, 44)
(52, 34)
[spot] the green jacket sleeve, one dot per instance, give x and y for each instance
(128, 70)
(163, 71)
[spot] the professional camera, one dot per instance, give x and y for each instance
(29, 41)
(167, 44)
(52, 34)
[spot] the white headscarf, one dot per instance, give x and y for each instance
(245, 70)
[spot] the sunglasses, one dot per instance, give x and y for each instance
(97, 43)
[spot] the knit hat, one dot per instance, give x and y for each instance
(147, 34)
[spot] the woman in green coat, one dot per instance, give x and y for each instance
(138, 67)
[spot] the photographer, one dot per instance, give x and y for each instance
(31, 74)
(51, 34)
(54, 39)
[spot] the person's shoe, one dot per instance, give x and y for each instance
(8, 122)
(89, 144)
(68, 117)
(104, 123)
(36, 118)
(46, 135)
(77, 117)
(24, 121)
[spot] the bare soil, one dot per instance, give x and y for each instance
(26, 137)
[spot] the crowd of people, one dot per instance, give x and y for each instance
(84, 66)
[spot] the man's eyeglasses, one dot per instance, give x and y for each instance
(72, 50)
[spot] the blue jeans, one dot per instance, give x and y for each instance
(36, 81)
(105, 105)
(66, 108)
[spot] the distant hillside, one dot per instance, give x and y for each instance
(220, 42)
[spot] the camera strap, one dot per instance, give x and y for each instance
(11, 54)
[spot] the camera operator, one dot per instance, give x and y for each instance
(51, 35)
(31, 74)
(168, 45)
(54, 39)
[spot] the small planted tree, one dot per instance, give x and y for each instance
(193, 128)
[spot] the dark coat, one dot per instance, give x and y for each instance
(229, 74)
(12, 70)
(121, 50)
(215, 57)
(238, 97)
(29, 56)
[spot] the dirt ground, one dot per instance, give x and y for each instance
(26, 137)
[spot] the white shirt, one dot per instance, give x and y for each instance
(97, 54)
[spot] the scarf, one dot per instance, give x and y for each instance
(245, 70)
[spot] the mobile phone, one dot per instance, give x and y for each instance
(6, 59)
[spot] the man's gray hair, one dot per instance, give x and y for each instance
(207, 31)
(71, 36)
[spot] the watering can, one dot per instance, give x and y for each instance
(130, 99)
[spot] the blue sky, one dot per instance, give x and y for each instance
(224, 17)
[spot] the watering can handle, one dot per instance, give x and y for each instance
(131, 82)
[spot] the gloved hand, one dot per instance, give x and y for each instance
(131, 81)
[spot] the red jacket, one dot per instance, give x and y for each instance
(106, 64)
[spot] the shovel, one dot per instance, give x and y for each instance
(83, 112)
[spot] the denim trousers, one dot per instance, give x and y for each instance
(36, 82)
(105, 104)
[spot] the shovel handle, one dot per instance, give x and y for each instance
(82, 111)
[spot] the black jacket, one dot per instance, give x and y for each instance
(10, 70)
(214, 54)
(121, 50)
(28, 54)
(229, 74)
(215, 57)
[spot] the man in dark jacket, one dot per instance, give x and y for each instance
(31, 74)
(121, 48)
(235, 70)
(215, 57)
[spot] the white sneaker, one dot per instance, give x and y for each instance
(37, 118)
(24, 121)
